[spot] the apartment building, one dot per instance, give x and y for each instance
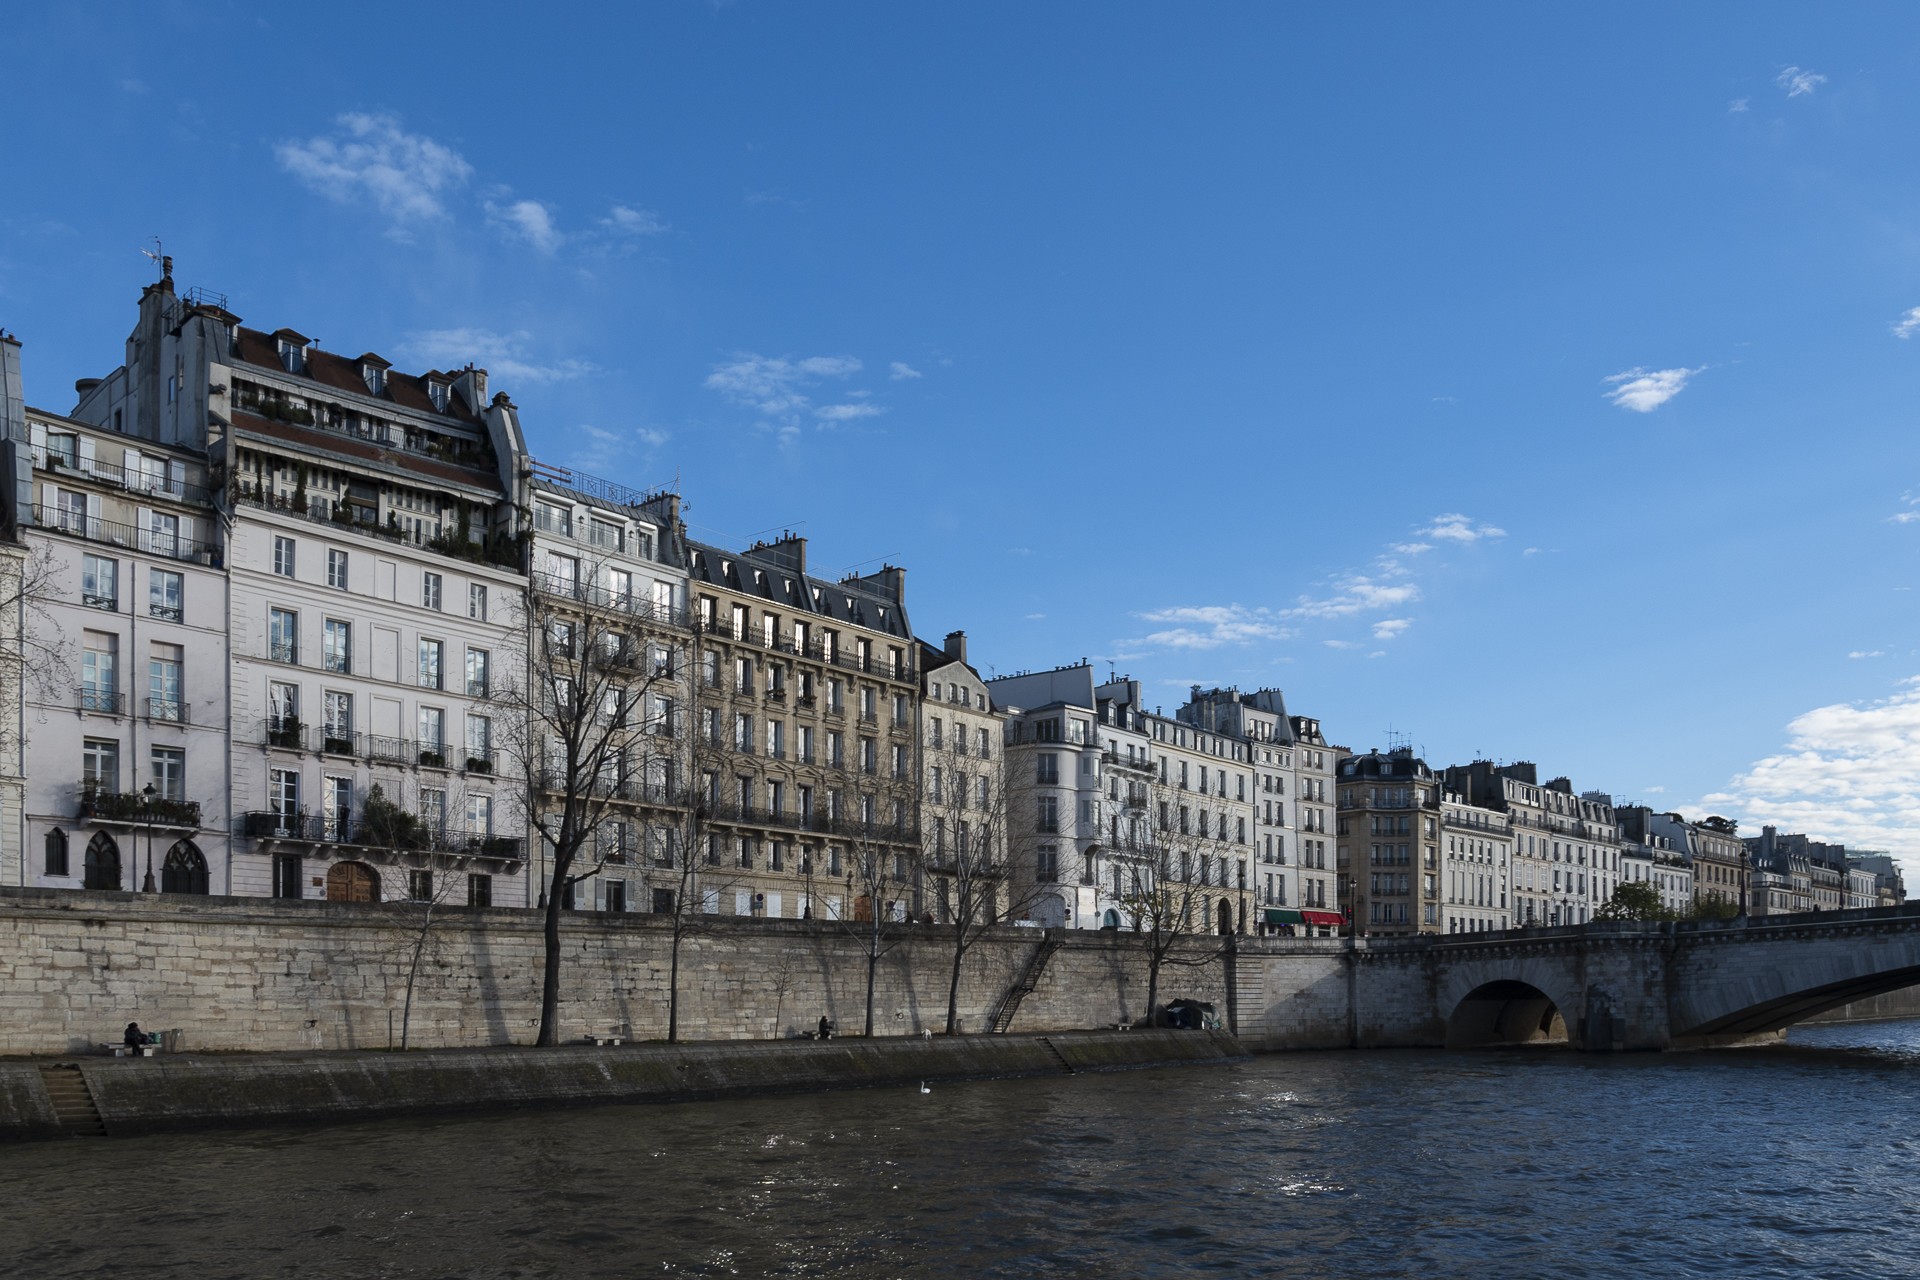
(1389, 842)
(803, 755)
(126, 710)
(374, 563)
(1315, 765)
(965, 801)
(1476, 867)
(1203, 812)
(609, 603)
(1566, 848)
(16, 495)
(1077, 856)
(1651, 854)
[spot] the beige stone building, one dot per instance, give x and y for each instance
(806, 699)
(965, 800)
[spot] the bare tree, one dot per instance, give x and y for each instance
(881, 873)
(966, 833)
(32, 655)
(1162, 894)
(427, 892)
(594, 725)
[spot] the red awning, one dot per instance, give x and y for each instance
(1333, 918)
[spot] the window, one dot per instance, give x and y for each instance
(431, 652)
(433, 810)
(420, 886)
(477, 601)
(433, 732)
(337, 719)
(283, 556)
(99, 679)
(479, 890)
(166, 594)
(777, 739)
(1048, 768)
(479, 742)
(1048, 816)
(1046, 864)
(742, 731)
(163, 684)
(619, 588)
(169, 773)
(337, 652)
(480, 816)
(283, 791)
(836, 749)
(283, 631)
(163, 535)
(100, 765)
(56, 863)
(100, 583)
(806, 744)
(553, 519)
(283, 711)
(430, 587)
(477, 683)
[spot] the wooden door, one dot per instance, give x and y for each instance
(352, 882)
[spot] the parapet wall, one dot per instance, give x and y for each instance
(253, 974)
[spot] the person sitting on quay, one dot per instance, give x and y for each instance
(134, 1039)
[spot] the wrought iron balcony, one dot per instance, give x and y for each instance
(134, 808)
(171, 546)
(105, 701)
(168, 711)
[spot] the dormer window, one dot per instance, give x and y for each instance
(437, 391)
(376, 379)
(293, 356)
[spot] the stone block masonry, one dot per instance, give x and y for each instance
(253, 974)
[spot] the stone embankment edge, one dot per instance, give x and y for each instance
(191, 1092)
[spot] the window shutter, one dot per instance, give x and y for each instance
(37, 432)
(144, 533)
(132, 473)
(599, 895)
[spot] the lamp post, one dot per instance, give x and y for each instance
(146, 820)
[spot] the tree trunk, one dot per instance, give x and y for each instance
(953, 982)
(873, 963)
(1153, 983)
(550, 979)
(673, 983)
(413, 972)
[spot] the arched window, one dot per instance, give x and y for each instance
(57, 853)
(185, 870)
(103, 863)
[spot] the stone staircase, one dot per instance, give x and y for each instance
(73, 1101)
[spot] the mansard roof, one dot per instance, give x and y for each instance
(343, 373)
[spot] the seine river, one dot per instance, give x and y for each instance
(1798, 1161)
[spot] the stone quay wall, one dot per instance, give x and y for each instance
(234, 974)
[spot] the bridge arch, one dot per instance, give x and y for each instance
(1778, 1006)
(1505, 1011)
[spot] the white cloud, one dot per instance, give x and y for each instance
(633, 222)
(404, 174)
(529, 220)
(1410, 548)
(1911, 502)
(1849, 772)
(1455, 527)
(1389, 628)
(1737, 106)
(1643, 390)
(1210, 626)
(1796, 82)
(1355, 594)
(503, 355)
(1035, 617)
(847, 412)
(773, 385)
(1531, 551)
(900, 371)
(1907, 323)
(1655, 791)
(1340, 644)
(1867, 653)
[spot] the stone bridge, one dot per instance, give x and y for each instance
(1603, 986)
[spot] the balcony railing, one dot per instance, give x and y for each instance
(134, 481)
(128, 537)
(168, 711)
(133, 808)
(499, 550)
(352, 828)
(562, 587)
(106, 701)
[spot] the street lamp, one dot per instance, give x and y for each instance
(146, 820)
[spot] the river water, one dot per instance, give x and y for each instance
(1795, 1161)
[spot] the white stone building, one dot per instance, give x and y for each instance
(1476, 866)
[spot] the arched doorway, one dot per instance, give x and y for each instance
(1506, 1012)
(1226, 916)
(103, 863)
(352, 882)
(185, 870)
(1110, 919)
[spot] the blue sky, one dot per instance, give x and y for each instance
(1532, 383)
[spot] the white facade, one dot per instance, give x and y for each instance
(134, 693)
(1476, 867)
